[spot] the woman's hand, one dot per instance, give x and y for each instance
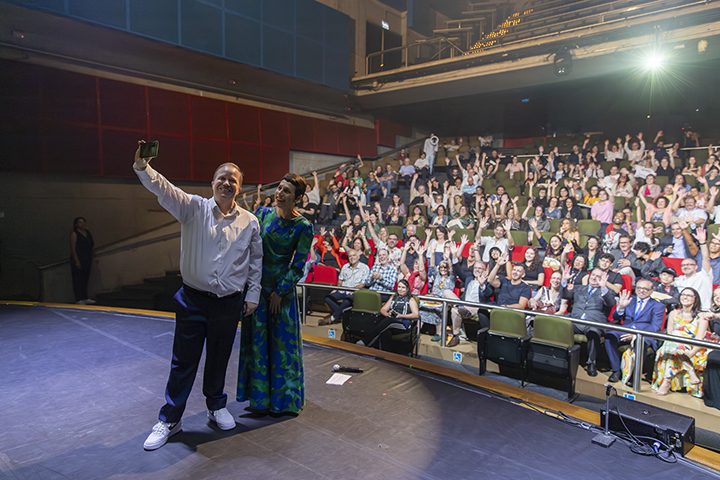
(275, 303)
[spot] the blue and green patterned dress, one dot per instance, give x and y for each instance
(271, 364)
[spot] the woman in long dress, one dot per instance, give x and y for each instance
(270, 375)
(679, 366)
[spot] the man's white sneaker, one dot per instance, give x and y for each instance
(223, 418)
(89, 301)
(160, 434)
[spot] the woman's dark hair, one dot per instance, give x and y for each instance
(75, 222)
(407, 286)
(585, 262)
(551, 251)
(567, 192)
(298, 182)
(535, 261)
(696, 301)
(443, 230)
(643, 247)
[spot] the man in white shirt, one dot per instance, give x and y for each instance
(473, 284)
(701, 281)
(635, 150)
(430, 148)
(694, 216)
(504, 244)
(352, 274)
(221, 268)
(314, 193)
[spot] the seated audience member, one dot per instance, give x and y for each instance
(329, 250)
(696, 217)
(553, 210)
(356, 240)
(475, 292)
(417, 218)
(330, 204)
(592, 302)
(352, 274)
(646, 234)
(510, 292)
(650, 189)
(602, 210)
(436, 246)
(635, 150)
(383, 274)
(626, 262)
(394, 218)
(443, 280)
(714, 254)
(640, 312)
(406, 172)
(504, 244)
(552, 296)
(397, 314)
(702, 280)
(534, 271)
(711, 379)
(307, 209)
(643, 253)
(592, 251)
(665, 285)
(610, 234)
(412, 250)
(463, 266)
(541, 221)
(571, 210)
(629, 225)
(679, 366)
(422, 166)
(573, 273)
(387, 180)
(660, 210)
(680, 243)
(418, 195)
(613, 280)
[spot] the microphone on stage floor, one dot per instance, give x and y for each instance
(338, 368)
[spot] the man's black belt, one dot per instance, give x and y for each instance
(210, 294)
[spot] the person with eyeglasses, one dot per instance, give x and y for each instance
(641, 312)
(679, 366)
(714, 254)
(592, 301)
(702, 280)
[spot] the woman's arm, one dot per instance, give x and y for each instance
(73, 253)
(385, 310)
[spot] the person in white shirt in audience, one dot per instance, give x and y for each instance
(473, 286)
(701, 281)
(352, 274)
(313, 194)
(635, 150)
(696, 217)
(504, 244)
(613, 152)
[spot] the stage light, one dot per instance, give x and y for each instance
(654, 62)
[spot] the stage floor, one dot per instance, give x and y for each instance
(80, 390)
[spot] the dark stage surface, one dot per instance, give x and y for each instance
(80, 391)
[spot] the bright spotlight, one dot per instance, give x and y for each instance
(654, 62)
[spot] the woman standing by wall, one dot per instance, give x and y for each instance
(82, 252)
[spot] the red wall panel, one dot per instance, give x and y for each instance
(207, 156)
(169, 112)
(208, 117)
(366, 142)
(243, 123)
(387, 130)
(326, 136)
(122, 104)
(274, 128)
(72, 149)
(347, 139)
(64, 122)
(118, 147)
(69, 97)
(247, 157)
(275, 163)
(174, 157)
(302, 133)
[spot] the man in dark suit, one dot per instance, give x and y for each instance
(592, 302)
(642, 313)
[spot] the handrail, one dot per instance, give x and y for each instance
(501, 45)
(639, 340)
(102, 250)
(439, 40)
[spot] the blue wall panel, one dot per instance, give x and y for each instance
(157, 19)
(108, 12)
(309, 59)
(249, 8)
(242, 39)
(302, 38)
(201, 27)
(278, 50)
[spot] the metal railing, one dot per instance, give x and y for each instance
(439, 46)
(640, 335)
